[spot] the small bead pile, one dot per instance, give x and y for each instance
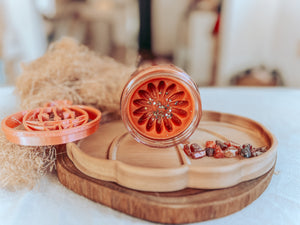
(219, 149)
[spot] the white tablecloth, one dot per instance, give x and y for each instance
(277, 108)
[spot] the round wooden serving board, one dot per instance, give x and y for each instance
(164, 185)
(185, 206)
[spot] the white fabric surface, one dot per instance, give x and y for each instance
(277, 108)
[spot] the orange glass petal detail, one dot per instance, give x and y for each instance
(161, 108)
(55, 118)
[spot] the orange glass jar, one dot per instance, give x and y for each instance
(161, 106)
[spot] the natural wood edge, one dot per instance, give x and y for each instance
(240, 120)
(165, 209)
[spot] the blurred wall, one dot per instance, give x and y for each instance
(166, 15)
(286, 42)
(253, 33)
(260, 32)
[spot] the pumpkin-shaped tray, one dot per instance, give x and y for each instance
(111, 154)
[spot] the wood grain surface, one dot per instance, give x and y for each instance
(111, 154)
(184, 206)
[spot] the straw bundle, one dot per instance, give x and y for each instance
(73, 72)
(67, 71)
(22, 166)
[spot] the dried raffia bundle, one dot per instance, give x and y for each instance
(68, 71)
(23, 166)
(71, 71)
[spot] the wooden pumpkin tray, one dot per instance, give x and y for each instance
(93, 163)
(111, 154)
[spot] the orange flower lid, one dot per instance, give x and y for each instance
(56, 123)
(161, 106)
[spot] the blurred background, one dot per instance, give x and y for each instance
(218, 42)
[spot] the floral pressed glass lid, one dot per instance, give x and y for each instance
(161, 106)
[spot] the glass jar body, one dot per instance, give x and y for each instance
(161, 106)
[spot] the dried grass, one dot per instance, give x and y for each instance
(23, 166)
(71, 71)
(67, 71)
